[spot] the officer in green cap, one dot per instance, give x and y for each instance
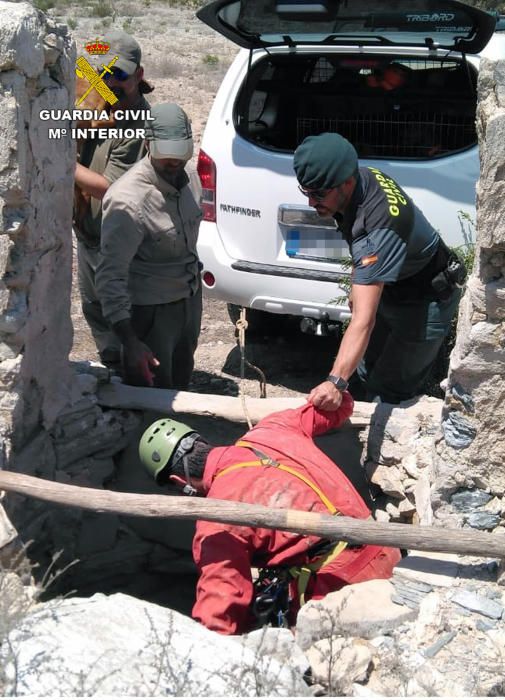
(405, 281)
(148, 277)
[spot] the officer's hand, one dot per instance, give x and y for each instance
(325, 396)
(138, 360)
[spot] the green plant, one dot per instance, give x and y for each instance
(345, 284)
(210, 60)
(99, 9)
(344, 281)
(44, 5)
(72, 23)
(127, 24)
(466, 251)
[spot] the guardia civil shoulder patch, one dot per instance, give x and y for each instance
(369, 260)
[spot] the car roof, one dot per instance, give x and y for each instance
(445, 24)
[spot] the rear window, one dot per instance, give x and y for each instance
(401, 108)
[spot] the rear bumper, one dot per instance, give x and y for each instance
(295, 290)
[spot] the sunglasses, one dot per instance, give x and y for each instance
(317, 195)
(118, 74)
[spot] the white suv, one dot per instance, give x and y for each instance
(310, 66)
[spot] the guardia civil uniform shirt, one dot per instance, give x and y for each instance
(390, 239)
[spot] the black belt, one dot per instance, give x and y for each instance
(432, 282)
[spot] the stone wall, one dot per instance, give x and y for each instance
(470, 463)
(50, 423)
(35, 248)
(398, 449)
(35, 251)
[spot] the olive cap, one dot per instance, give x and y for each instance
(324, 161)
(169, 133)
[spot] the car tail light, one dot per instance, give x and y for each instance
(209, 278)
(207, 172)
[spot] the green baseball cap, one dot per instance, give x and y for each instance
(129, 55)
(126, 49)
(324, 161)
(169, 132)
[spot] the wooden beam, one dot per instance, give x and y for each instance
(351, 530)
(119, 395)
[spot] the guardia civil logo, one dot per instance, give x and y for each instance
(85, 70)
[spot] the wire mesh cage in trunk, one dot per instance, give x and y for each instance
(402, 134)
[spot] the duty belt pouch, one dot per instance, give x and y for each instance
(436, 281)
(452, 275)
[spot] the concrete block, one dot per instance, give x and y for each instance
(436, 569)
(362, 610)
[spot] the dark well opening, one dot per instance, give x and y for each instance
(150, 558)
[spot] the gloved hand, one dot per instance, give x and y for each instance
(138, 359)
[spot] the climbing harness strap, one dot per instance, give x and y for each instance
(302, 573)
(266, 461)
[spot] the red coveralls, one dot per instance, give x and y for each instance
(224, 553)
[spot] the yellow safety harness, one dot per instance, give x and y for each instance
(301, 573)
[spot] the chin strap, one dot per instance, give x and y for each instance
(189, 489)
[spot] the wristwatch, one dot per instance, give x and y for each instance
(339, 382)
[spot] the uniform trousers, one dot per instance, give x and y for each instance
(171, 332)
(404, 345)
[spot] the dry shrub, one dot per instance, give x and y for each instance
(163, 67)
(131, 9)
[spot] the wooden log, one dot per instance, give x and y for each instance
(351, 530)
(119, 395)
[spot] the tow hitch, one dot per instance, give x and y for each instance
(323, 326)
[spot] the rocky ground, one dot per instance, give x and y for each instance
(435, 630)
(186, 62)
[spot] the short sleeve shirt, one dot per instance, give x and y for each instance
(388, 236)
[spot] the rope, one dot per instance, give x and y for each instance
(241, 326)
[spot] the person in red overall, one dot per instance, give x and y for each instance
(276, 464)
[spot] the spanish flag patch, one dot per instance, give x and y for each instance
(369, 260)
